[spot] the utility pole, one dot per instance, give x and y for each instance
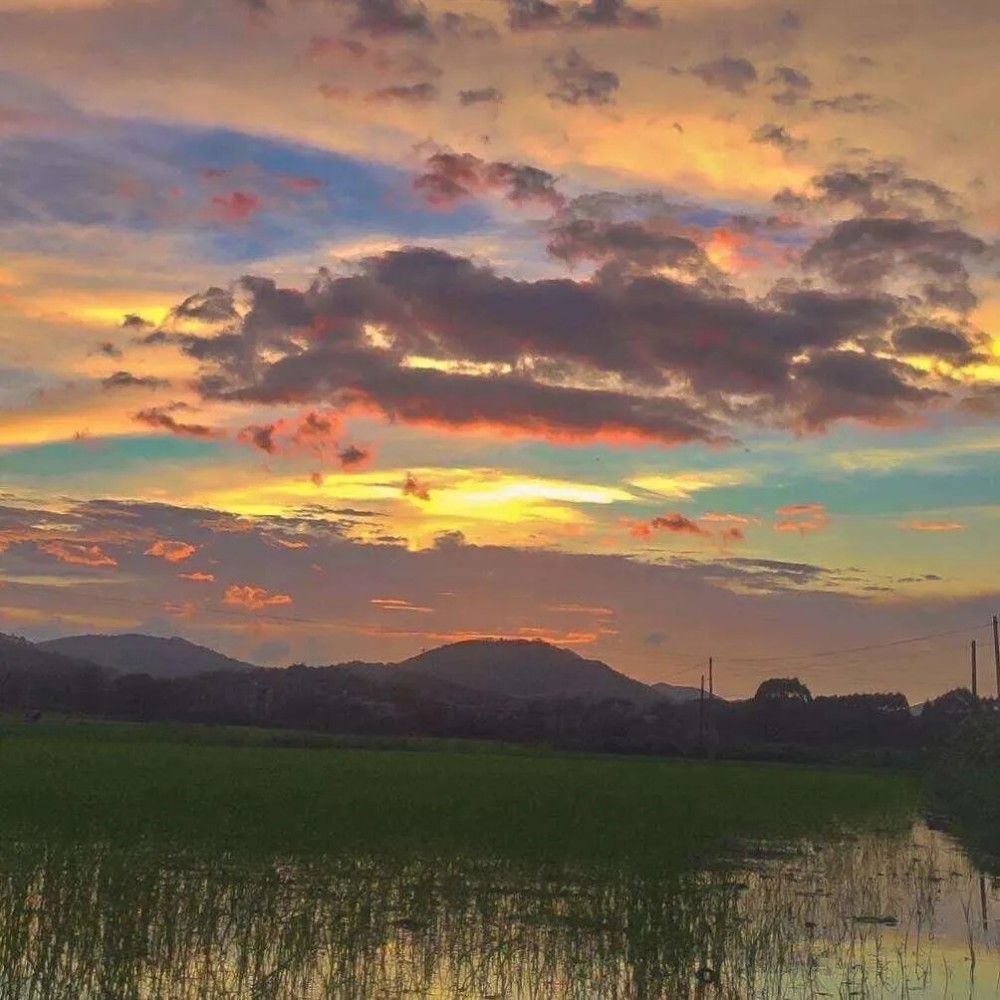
(996, 654)
(711, 681)
(975, 685)
(701, 713)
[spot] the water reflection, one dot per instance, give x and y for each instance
(875, 915)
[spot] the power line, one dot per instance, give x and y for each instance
(856, 649)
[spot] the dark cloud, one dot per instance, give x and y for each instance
(858, 103)
(536, 15)
(126, 380)
(162, 417)
(575, 80)
(734, 74)
(380, 18)
(686, 359)
(482, 95)
(879, 188)
(793, 85)
(777, 135)
(865, 254)
(351, 456)
(133, 321)
(937, 341)
(645, 243)
(414, 93)
(673, 523)
(260, 436)
(529, 15)
(210, 306)
(849, 385)
(451, 177)
(614, 14)
(108, 349)
(467, 26)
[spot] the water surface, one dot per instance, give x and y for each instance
(869, 914)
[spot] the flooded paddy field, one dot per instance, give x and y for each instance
(144, 863)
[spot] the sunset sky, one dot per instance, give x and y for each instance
(337, 329)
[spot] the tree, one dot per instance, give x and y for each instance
(786, 690)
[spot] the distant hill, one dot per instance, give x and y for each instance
(144, 654)
(522, 668)
(677, 692)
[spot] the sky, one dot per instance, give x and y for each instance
(340, 329)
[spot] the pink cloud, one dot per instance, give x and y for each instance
(236, 206)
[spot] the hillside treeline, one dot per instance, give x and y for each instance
(782, 721)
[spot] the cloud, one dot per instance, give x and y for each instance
(466, 27)
(879, 188)
(730, 73)
(162, 418)
(235, 206)
(873, 253)
(918, 525)
(126, 380)
(575, 80)
(793, 83)
(353, 457)
(801, 517)
(171, 551)
(260, 436)
(858, 103)
(778, 136)
(673, 523)
(451, 177)
(937, 341)
(414, 93)
(413, 488)
(133, 321)
(251, 597)
(620, 355)
(197, 577)
(535, 15)
(480, 95)
(397, 604)
(77, 553)
(108, 349)
(382, 18)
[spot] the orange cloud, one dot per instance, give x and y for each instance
(198, 577)
(918, 525)
(801, 517)
(172, 552)
(582, 609)
(413, 488)
(396, 604)
(77, 553)
(255, 598)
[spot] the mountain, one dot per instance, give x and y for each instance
(523, 668)
(144, 654)
(18, 654)
(677, 692)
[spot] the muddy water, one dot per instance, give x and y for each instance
(871, 914)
